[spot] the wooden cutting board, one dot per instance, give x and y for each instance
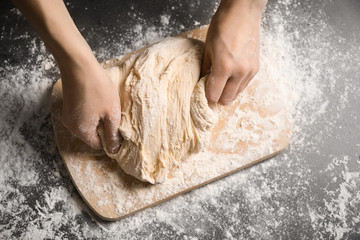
(255, 127)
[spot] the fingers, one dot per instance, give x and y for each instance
(214, 87)
(243, 85)
(85, 131)
(216, 80)
(223, 86)
(218, 77)
(230, 90)
(112, 134)
(254, 68)
(206, 64)
(226, 81)
(90, 137)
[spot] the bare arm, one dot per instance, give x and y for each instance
(88, 93)
(232, 49)
(55, 26)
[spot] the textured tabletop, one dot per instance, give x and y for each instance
(310, 191)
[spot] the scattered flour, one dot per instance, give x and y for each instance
(296, 194)
(165, 19)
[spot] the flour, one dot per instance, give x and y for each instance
(165, 19)
(278, 198)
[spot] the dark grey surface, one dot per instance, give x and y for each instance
(311, 191)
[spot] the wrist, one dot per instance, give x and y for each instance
(240, 9)
(69, 49)
(75, 62)
(241, 14)
(74, 57)
(71, 52)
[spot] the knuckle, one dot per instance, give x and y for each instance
(81, 131)
(243, 68)
(221, 65)
(114, 111)
(115, 116)
(85, 132)
(226, 65)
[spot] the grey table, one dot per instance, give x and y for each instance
(311, 191)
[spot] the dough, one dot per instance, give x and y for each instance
(165, 115)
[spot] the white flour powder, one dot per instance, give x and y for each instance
(278, 198)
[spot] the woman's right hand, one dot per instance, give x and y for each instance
(89, 99)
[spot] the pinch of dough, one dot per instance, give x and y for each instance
(165, 114)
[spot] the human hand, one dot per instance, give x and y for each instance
(232, 49)
(89, 96)
(90, 99)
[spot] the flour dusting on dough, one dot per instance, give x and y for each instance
(166, 116)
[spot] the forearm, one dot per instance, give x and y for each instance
(235, 18)
(55, 26)
(236, 5)
(238, 10)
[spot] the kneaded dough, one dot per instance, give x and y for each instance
(165, 115)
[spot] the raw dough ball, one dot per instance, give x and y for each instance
(165, 113)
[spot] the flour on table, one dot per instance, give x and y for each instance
(165, 112)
